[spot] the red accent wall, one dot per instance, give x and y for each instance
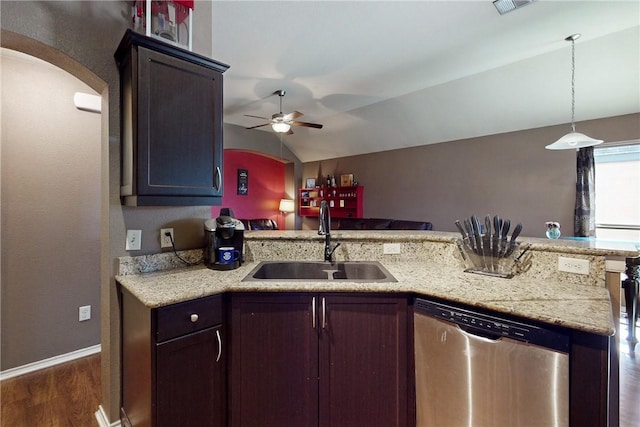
(266, 186)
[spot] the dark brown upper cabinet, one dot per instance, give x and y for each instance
(171, 124)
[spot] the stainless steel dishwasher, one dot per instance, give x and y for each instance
(478, 370)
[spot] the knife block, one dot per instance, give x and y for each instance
(482, 260)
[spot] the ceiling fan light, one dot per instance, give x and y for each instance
(281, 127)
(573, 141)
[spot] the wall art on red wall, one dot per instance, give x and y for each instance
(267, 186)
(243, 182)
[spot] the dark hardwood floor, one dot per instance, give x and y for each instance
(68, 395)
(65, 395)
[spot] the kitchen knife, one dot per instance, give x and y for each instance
(506, 225)
(475, 224)
(465, 237)
(461, 230)
(486, 241)
(469, 229)
(495, 238)
(512, 242)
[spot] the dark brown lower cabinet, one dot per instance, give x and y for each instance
(188, 379)
(592, 402)
(302, 359)
(173, 364)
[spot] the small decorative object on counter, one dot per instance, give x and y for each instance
(553, 230)
(489, 250)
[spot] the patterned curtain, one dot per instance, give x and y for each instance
(584, 224)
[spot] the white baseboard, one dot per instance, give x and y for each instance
(46, 363)
(103, 420)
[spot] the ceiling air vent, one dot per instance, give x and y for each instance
(505, 6)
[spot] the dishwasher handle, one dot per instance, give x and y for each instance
(479, 333)
(493, 327)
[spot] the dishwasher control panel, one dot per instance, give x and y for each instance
(492, 326)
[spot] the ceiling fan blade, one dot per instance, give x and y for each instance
(258, 126)
(292, 115)
(305, 124)
(257, 117)
(289, 132)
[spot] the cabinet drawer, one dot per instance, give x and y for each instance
(186, 317)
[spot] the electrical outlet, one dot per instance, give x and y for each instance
(390, 248)
(84, 313)
(165, 241)
(573, 265)
(134, 238)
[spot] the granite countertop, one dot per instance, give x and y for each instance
(585, 308)
(586, 246)
(429, 265)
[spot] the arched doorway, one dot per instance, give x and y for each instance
(51, 204)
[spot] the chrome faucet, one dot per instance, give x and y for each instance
(324, 229)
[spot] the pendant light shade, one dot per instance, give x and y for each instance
(573, 140)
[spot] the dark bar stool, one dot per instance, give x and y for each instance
(631, 285)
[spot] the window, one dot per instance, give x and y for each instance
(617, 190)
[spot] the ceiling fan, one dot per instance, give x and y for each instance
(282, 123)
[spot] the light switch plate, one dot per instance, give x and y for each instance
(134, 238)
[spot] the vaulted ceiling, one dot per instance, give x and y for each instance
(381, 75)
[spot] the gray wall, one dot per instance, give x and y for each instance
(81, 37)
(510, 174)
(50, 213)
(84, 36)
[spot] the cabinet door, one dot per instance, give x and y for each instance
(274, 361)
(179, 127)
(363, 361)
(190, 386)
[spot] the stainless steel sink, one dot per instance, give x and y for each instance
(311, 271)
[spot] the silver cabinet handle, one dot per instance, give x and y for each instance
(194, 318)
(219, 345)
(218, 178)
(324, 313)
(313, 312)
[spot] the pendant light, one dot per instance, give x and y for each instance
(573, 140)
